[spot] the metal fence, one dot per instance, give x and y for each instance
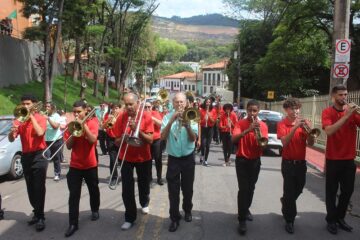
(312, 108)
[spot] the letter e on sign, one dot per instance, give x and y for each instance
(342, 50)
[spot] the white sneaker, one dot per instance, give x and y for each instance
(145, 210)
(224, 164)
(56, 178)
(126, 226)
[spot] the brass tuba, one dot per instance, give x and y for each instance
(22, 114)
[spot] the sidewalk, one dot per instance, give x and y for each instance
(316, 158)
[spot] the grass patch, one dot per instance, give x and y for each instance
(10, 96)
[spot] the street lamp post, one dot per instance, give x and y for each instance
(237, 56)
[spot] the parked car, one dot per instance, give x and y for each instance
(10, 152)
(271, 118)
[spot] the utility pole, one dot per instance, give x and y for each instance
(237, 56)
(341, 31)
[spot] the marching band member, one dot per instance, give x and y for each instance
(227, 123)
(156, 145)
(180, 138)
(208, 118)
(339, 123)
(83, 165)
(136, 157)
(108, 125)
(53, 134)
(294, 138)
(248, 162)
(32, 135)
(100, 114)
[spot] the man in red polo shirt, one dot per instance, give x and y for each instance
(110, 118)
(156, 145)
(134, 157)
(339, 123)
(32, 135)
(247, 161)
(293, 166)
(83, 165)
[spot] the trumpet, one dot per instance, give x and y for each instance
(313, 132)
(353, 105)
(110, 122)
(262, 141)
(22, 114)
(75, 128)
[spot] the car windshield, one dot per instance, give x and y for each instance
(5, 125)
(271, 120)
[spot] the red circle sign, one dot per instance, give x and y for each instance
(341, 71)
(343, 46)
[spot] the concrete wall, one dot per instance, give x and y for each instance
(17, 58)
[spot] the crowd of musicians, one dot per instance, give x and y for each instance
(136, 133)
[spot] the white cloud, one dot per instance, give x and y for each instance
(188, 8)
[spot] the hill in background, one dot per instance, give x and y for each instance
(215, 27)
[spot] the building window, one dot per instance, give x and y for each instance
(211, 89)
(218, 79)
(193, 87)
(213, 79)
(204, 89)
(209, 79)
(205, 77)
(185, 87)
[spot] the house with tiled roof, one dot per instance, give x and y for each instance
(214, 76)
(183, 81)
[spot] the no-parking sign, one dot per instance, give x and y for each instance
(341, 70)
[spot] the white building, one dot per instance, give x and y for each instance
(184, 81)
(214, 76)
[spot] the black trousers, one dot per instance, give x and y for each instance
(180, 174)
(57, 158)
(294, 175)
(339, 173)
(206, 137)
(74, 182)
(247, 172)
(226, 144)
(113, 151)
(102, 141)
(35, 168)
(216, 133)
(128, 188)
(157, 156)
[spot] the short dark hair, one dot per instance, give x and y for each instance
(30, 97)
(292, 103)
(190, 98)
(339, 87)
(253, 103)
(80, 103)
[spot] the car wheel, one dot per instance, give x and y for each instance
(16, 169)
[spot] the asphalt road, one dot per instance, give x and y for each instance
(214, 212)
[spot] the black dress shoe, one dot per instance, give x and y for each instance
(71, 230)
(188, 217)
(40, 225)
(160, 182)
(332, 228)
(33, 220)
(249, 216)
(173, 226)
(94, 216)
(242, 227)
(289, 227)
(344, 226)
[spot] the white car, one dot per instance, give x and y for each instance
(271, 118)
(10, 152)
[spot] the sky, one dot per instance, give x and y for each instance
(188, 8)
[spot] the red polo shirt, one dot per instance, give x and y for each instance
(342, 144)
(157, 128)
(212, 113)
(83, 153)
(296, 148)
(248, 146)
(134, 154)
(224, 125)
(30, 141)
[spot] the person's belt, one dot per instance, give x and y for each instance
(294, 161)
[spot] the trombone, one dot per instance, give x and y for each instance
(75, 128)
(132, 139)
(22, 114)
(262, 141)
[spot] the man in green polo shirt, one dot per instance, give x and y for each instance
(180, 145)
